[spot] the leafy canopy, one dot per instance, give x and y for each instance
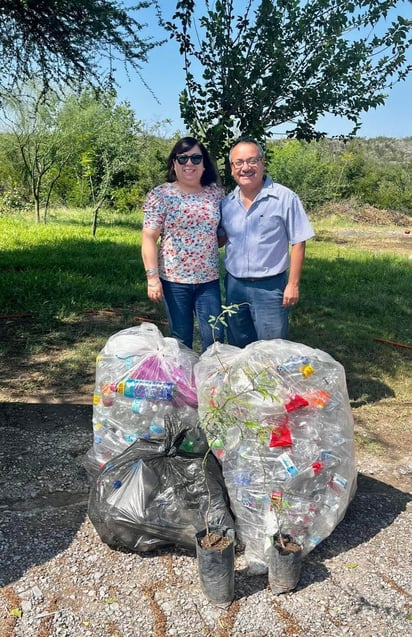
(253, 65)
(68, 42)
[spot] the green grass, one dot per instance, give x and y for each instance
(349, 298)
(58, 282)
(59, 269)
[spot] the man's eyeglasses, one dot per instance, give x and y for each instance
(183, 159)
(252, 161)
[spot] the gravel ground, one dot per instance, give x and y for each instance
(59, 579)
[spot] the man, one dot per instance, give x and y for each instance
(264, 228)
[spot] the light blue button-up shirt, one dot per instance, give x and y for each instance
(258, 239)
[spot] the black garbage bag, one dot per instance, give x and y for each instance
(155, 494)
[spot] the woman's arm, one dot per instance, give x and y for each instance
(150, 260)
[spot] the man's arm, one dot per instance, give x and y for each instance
(297, 257)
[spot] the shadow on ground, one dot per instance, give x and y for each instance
(43, 485)
(44, 493)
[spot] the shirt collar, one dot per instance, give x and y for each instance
(268, 189)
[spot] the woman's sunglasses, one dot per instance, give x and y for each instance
(183, 159)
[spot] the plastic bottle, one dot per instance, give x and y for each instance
(293, 364)
(107, 443)
(239, 478)
(288, 464)
(195, 441)
(121, 412)
(111, 366)
(304, 452)
(130, 410)
(305, 426)
(150, 389)
(142, 406)
(329, 458)
(322, 525)
(300, 516)
(110, 370)
(156, 428)
(187, 415)
(338, 484)
(103, 395)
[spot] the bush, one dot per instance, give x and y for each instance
(14, 200)
(306, 169)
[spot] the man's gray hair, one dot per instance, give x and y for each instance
(246, 140)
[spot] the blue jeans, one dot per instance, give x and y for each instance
(184, 301)
(261, 315)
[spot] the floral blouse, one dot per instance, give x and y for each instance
(188, 251)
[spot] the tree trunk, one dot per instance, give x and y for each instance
(95, 215)
(37, 209)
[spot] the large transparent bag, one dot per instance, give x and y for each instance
(141, 378)
(155, 494)
(278, 417)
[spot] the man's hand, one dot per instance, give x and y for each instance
(290, 295)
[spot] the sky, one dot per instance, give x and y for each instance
(164, 75)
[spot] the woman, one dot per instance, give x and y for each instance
(183, 269)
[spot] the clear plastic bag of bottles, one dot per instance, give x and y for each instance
(141, 378)
(157, 493)
(277, 415)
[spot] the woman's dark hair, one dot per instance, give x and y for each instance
(210, 174)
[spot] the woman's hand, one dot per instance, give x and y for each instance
(154, 289)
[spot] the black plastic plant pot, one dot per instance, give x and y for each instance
(284, 565)
(216, 565)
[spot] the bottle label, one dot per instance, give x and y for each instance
(338, 483)
(288, 464)
(293, 364)
(150, 389)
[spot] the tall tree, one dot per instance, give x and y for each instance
(43, 147)
(90, 135)
(274, 62)
(68, 42)
(110, 145)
